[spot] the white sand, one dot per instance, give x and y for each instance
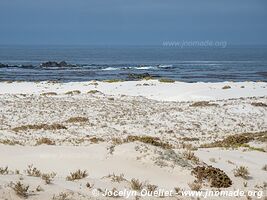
(111, 114)
(178, 91)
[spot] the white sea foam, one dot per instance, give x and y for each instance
(164, 66)
(110, 69)
(145, 67)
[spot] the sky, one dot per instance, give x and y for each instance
(131, 22)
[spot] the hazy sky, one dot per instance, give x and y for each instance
(132, 21)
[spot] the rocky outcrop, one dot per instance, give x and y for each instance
(56, 64)
(3, 65)
(22, 66)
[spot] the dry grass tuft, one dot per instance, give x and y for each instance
(155, 141)
(79, 174)
(116, 178)
(89, 185)
(77, 120)
(46, 141)
(62, 196)
(33, 171)
(39, 189)
(39, 127)
(4, 170)
(195, 186)
(20, 189)
(189, 155)
(48, 178)
(241, 171)
(215, 176)
(136, 184)
(151, 188)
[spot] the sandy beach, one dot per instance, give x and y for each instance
(132, 136)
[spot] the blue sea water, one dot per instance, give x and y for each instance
(233, 63)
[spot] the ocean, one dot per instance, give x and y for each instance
(233, 63)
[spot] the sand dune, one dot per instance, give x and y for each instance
(123, 132)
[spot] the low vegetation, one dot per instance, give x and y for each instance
(96, 140)
(259, 104)
(155, 141)
(93, 92)
(254, 148)
(151, 187)
(89, 185)
(39, 189)
(136, 184)
(113, 81)
(33, 171)
(39, 127)
(73, 92)
(226, 87)
(189, 155)
(49, 94)
(48, 178)
(195, 186)
(212, 160)
(62, 196)
(203, 104)
(144, 76)
(77, 120)
(20, 189)
(46, 141)
(79, 174)
(166, 80)
(117, 141)
(171, 157)
(264, 168)
(215, 176)
(230, 141)
(177, 190)
(242, 172)
(116, 178)
(10, 142)
(190, 139)
(4, 170)
(238, 140)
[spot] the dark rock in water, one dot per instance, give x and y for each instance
(264, 74)
(56, 64)
(3, 65)
(139, 76)
(27, 66)
(23, 66)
